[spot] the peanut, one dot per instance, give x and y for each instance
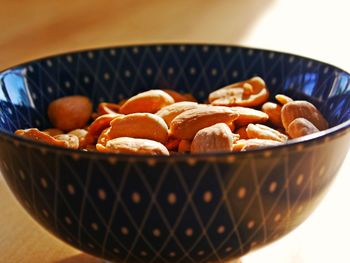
(149, 101)
(248, 93)
(215, 138)
(248, 115)
(69, 113)
(140, 125)
(172, 144)
(35, 134)
(302, 109)
(168, 113)
(107, 108)
(71, 140)
(133, 146)
(178, 97)
(259, 131)
(273, 110)
(283, 99)
(251, 144)
(188, 123)
(184, 146)
(300, 127)
(100, 123)
(242, 132)
(53, 131)
(104, 136)
(81, 134)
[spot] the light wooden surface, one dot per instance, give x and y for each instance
(315, 28)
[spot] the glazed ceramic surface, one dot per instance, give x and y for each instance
(188, 208)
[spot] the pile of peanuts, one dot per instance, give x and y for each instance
(237, 117)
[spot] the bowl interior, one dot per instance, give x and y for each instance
(112, 74)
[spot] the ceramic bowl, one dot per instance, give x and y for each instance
(186, 208)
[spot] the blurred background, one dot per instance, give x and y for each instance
(36, 28)
(313, 28)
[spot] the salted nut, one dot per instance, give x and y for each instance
(178, 97)
(168, 113)
(100, 123)
(35, 134)
(149, 101)
(300, 127)
(283, 99)
(302, 109)
(273, 110)
(69, 113)
(251, 144)
(248, 93)
(237, 117)
(133, 146)
(248, 115)
(215, 138)
(259, 131)
(140, 125)
(188, 123)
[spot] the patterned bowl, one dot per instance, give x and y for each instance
(189, 208)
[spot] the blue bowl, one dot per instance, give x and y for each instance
(186, 208)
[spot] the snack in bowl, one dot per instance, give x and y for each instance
(155, 115)
(184, 193)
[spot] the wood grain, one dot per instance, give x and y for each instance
(37, 28)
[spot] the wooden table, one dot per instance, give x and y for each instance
(313, 28)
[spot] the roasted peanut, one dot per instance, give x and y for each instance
(242, 132)
(259, 131)
(35, 134)
(273, 110)
(149, 101)
(248, 115)
(302, 109)
(172, 144)
(69, 113)
(81, 134)
(107, 108)
(100, 123)
(251, 144)
(133, 146)
(71, 140)
(104, 136)
(168, 113)
(300, 127)
(53, 131)
(283, 99)
(188, 123)
(184, 146)
(248, 93)
(216, 138)
(140, 125)
(178, 97)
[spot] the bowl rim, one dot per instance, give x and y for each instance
(305, 140)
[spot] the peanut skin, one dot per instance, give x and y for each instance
(70, 113)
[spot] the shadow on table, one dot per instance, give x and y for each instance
(81, 258)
